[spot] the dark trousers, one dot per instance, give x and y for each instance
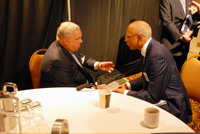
(180, 60)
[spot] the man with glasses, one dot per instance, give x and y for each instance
(63, 66)
(160, 81)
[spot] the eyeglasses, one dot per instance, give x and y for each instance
(78, 39)
(127, 37)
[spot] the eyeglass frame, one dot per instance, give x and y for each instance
(128, 37)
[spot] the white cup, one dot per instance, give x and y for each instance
(151, 117)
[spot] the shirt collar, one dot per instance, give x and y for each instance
(144, 48)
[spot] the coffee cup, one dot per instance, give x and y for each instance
(151, 117)
(104, 96)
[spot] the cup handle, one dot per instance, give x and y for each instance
(10, 84)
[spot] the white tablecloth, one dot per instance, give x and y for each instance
(83, 112)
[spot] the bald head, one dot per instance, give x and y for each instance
(137, 34)
(141, 28)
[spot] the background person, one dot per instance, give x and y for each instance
(195, 9)
(173, 14)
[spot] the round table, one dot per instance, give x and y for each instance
(83, 112)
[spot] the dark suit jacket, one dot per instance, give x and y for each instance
(164, 82)
(58, 68)
(172, 17)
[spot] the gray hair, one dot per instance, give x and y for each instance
(66, 29)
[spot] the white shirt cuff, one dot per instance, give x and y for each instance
(126, 92)
(128, 85)
(96, 65)
(129, 88)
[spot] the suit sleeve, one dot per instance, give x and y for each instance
(86, 61)
(159, 76)
(89, 63)
(166, 18)
(136, 84)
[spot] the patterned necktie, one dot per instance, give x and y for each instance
(89, 78)
(77, 61)
(183, 5)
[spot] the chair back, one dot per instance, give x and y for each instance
(34, 66)
(190, 74)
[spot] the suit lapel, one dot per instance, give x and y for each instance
(67, 53)
(145, 64)
(145, 61)
(82, 69)
(179, 6)
(69, 57)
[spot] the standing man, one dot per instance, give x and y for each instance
(63, 66)
(195, 10)
(160, 78)
(173, 14)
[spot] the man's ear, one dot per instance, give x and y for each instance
(65, 40)
(140, 37)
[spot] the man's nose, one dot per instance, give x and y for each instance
(125, 40)
(81, 41)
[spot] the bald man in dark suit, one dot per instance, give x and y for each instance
(160, 77)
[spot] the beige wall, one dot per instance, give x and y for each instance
(195, 44)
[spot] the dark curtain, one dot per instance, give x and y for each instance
(26, 26)
(104, 23)
(29, 25)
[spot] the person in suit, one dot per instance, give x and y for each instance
(195, 9)
(173, 14)
(160, 78)
(63, 65)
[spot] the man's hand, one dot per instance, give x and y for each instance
(106, 66)
(121, 88)
(187, 37)
(199, 25)
(102, 86)
(195, 7)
